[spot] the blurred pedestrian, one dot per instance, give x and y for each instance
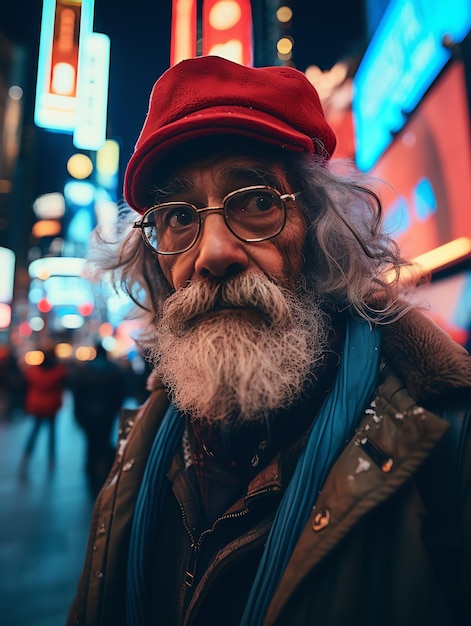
(98, 389)
(45, 385)
(12, 384)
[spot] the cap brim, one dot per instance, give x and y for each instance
(257, 125)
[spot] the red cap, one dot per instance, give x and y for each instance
(210, 95)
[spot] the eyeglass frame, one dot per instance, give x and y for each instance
(286, 197)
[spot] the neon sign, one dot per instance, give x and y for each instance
(405, 56)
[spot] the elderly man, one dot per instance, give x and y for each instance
(286, 467)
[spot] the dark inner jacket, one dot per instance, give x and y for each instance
(366, 554)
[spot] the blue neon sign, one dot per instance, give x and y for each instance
(403, 59)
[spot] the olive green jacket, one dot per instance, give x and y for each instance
(388, 541)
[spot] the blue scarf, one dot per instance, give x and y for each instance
(332, 428)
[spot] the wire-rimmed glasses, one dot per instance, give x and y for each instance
(252, 214)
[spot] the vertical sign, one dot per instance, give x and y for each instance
(63, 27)
(227, 30)
(90, 129)
(183, 34)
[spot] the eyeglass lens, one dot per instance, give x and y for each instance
(250, 214)
(172, 228)
(254, 214)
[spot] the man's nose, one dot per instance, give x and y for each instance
(220, 253)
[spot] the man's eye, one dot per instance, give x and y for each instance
(259, 203)
(179, 217)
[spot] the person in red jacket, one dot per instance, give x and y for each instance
(44, 397)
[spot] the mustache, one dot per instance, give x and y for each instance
(250, 291)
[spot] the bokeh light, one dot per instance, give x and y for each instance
(34, 357)
(284, 45)
(80, 166)
(85, 353)
(284, 14)
(64, 350)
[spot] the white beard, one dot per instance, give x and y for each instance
(242, 362)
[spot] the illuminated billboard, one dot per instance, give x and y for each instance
(405, 56)
(428, 166)
(64, 25)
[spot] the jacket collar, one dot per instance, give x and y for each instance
(431, 365)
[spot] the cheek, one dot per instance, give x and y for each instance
(166, 265)
(177, 270)
(291, 249)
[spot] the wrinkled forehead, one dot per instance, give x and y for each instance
(230, 156)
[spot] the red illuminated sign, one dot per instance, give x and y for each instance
(65, 48)
(227, 30)
(226, 26)
(183, 35)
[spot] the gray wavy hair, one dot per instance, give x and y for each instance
(349, 258)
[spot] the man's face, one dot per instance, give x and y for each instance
(218, 254)
(235, 342)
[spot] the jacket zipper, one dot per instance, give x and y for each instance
(196, 544)
(191, 564)
(190, 569)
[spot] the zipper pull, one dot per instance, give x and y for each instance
(191, 566)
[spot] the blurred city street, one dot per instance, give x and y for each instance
(44, 518)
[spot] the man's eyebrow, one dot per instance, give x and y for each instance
(251, 174)
(172, 187)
